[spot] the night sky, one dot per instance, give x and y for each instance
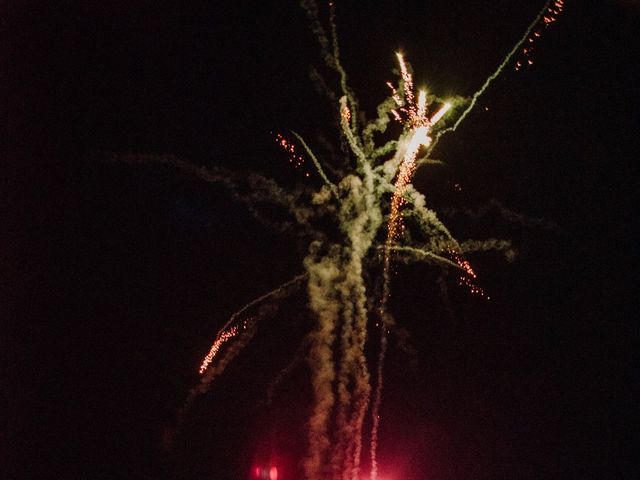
(117, 276)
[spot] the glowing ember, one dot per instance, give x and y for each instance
(470, 277)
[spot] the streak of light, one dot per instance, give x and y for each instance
(222, 338)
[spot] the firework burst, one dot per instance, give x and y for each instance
(372, 199)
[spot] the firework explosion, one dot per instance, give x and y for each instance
(377, 217)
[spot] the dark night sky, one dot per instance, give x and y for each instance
(115, 277)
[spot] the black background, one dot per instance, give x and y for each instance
(116, 276)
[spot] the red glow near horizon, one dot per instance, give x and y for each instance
(266, 474)
(273, 473)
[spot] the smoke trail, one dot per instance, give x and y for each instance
(330, 49)
(379, 125)
(317, 164)
(337, 295)
(428, 161)
(490, 244)
(377, 401)
(412, 254)
(346, 91)
(249, 188)
(506, 213)
(298, 357)
(323, 273)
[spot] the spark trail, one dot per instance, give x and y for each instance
(233, 337)
(356, 213)
(231, 329)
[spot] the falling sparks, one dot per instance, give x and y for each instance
(234, 327)
(550, 15)
(222, 338)
(469, 277)
(295, 158)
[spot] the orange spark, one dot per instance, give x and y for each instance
(222, 338)
(469, 279)
(294, 158)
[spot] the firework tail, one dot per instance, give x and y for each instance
(516, 48)
(244, 328)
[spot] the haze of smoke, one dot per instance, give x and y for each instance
(506, 213)
(337, 295)
(249, 188)
(491, 244)
(298, 358)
